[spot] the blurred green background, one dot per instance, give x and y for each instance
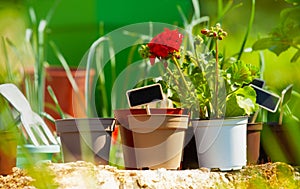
(75, 25)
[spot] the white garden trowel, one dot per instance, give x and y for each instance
(35, 127)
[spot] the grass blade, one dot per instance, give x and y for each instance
(65, 66)
(53, 97)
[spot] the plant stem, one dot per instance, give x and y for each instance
(180, 72)
(170, 72)
(248, 29)
(216, 80)
(53, 97)
(7, 63)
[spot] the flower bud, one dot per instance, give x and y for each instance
(204, 31)
(144, 51)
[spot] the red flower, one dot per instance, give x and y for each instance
(165, 44)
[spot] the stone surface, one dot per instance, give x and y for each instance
(86, 175)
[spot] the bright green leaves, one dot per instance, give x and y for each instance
(286, 35)
(241, 102)
(240, 73)
(275, 44)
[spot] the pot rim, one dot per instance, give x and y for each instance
(236, 121)
(59, 71)
(257, 126)
(85, 124)
(55, 148)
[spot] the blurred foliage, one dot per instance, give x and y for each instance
(276, 69)
(285, 35)
(12, 32)
(7, 121)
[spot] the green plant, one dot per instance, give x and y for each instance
(195, 78)
(240, 98)
(200, 78)
(282, 38)
(285, 35)
(35, 88)
(10, 73)
(7, 120)
(35, 39)
(11, 35)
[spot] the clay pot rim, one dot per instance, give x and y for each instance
(59, 71)
(66, 125)
(257, 126)
(159, 115)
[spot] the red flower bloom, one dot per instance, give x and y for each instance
(164, 44)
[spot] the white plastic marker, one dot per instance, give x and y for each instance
(265, 99)
(285, 97)
(144, 96)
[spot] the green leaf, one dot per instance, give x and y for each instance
(264, 43)
(65, 66)
(53, 97)
(241, 102)
(286, 35)
(240, 73)
(232, 107)
(296, 56)
(273, 44)
(291, 13)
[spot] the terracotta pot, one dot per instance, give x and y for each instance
(8, 151)
(72, 103)
(121, 116)
(280, 144)
(158, 139)
(253, 142)
(86, 139)
(221, 143)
